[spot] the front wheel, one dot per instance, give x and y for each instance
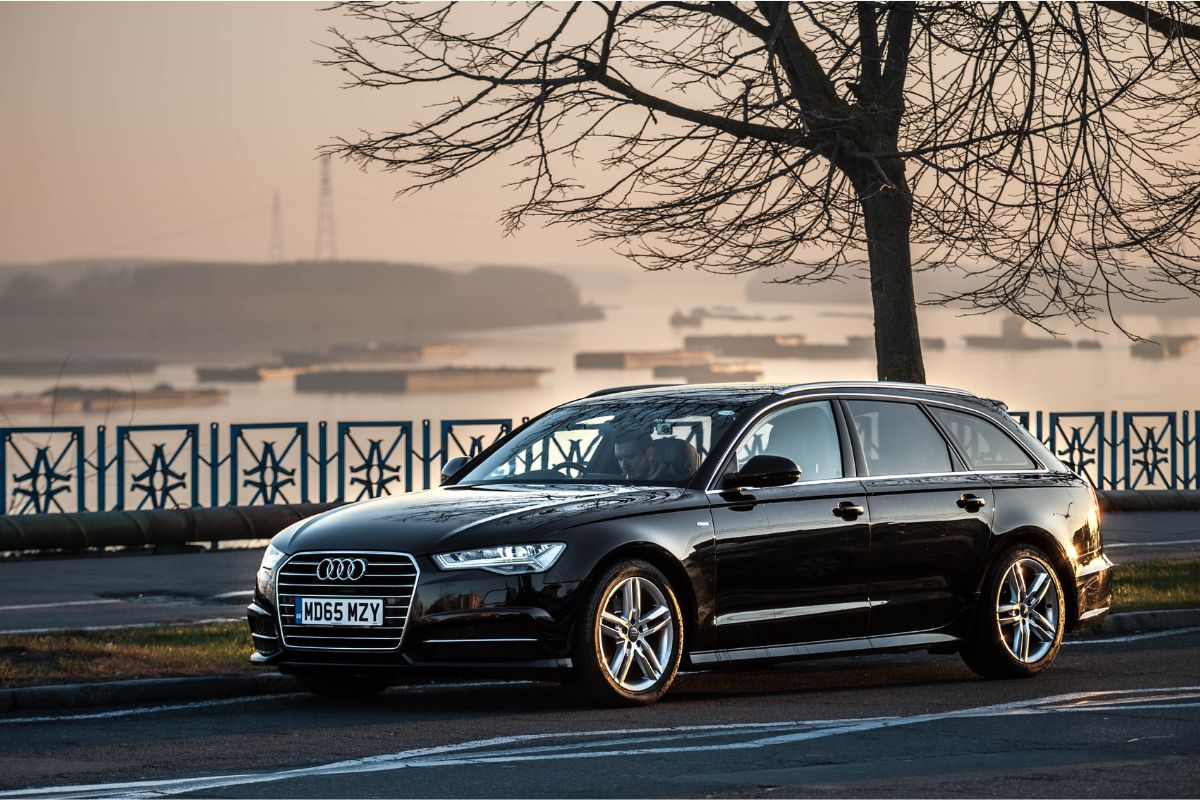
(1020, 620)
(629, 640)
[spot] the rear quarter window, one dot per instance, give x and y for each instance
(981, 442)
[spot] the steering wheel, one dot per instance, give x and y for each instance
(563, 466)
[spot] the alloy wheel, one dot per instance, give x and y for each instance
(1027, 610)
(635, 633)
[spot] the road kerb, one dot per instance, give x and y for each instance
(1139, 621)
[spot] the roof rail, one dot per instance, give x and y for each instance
(619, 389)
(922, 387)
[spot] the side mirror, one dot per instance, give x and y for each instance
(452, 466)
(763, 472)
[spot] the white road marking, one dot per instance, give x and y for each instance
(764, 735)
(132, 712)
(1133, 637)
(61, 605)
(1108, 546)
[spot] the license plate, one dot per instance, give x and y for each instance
(361, 612)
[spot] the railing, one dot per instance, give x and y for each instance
(70, 468)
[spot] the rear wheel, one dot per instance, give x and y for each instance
(344, 685)
(1020, 620)
(629, 640)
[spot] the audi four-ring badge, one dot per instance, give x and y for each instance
(341, 569)
(614, 540)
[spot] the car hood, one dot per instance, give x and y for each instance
(451, 517)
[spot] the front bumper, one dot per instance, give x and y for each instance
(471, 621)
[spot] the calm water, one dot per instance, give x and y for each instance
(1058, 380)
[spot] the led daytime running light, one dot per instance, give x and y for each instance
(506, 559)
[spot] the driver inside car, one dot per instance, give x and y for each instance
(640, 458)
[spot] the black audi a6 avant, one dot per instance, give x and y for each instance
(615, 539)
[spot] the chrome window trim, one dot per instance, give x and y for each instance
(712, 488)
(407, 611)
(720, 491)
(966, 409)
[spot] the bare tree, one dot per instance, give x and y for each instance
(1047, 150)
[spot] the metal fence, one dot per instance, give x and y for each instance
(72, 468)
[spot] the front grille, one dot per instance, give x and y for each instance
(391, 576)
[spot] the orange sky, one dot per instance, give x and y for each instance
(162, 129)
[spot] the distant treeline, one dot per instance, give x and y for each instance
(250, 310)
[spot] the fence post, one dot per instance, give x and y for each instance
(101, 468)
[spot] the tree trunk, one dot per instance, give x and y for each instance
(887, 216)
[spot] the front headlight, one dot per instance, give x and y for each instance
(509, 559)
(266, 571)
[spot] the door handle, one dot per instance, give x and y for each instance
(848, 511)
(971, 503)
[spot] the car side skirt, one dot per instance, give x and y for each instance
(905, 641)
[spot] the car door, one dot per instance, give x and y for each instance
(931, 518)
(792, 561)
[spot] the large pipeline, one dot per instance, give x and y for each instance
(80, 531)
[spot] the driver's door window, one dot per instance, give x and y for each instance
(806, 433)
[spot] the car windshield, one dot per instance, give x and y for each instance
(657, 441)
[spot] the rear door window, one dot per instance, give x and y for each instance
(982, 443)
(898, 439)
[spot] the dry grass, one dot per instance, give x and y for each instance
(82, 656)
(1157, 584)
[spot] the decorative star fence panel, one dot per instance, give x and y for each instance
(71, 468)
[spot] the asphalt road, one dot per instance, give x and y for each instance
(1115, 718)
(111, 590)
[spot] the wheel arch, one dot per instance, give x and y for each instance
(1048, 544)
(671, 567)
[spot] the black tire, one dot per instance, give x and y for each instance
(343, 685)
(1012, 637)
(595, 648)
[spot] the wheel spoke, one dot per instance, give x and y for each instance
(657, 619)
(637, 599)
(1019, 572)
(1018, 637)
(1010, 583)
(612, 632)
(1025, 641)
(627, 599)
(1036, 592)
(614, 620)
(619, 659)
(626, 663)
(1042, 627)
(650, 661)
